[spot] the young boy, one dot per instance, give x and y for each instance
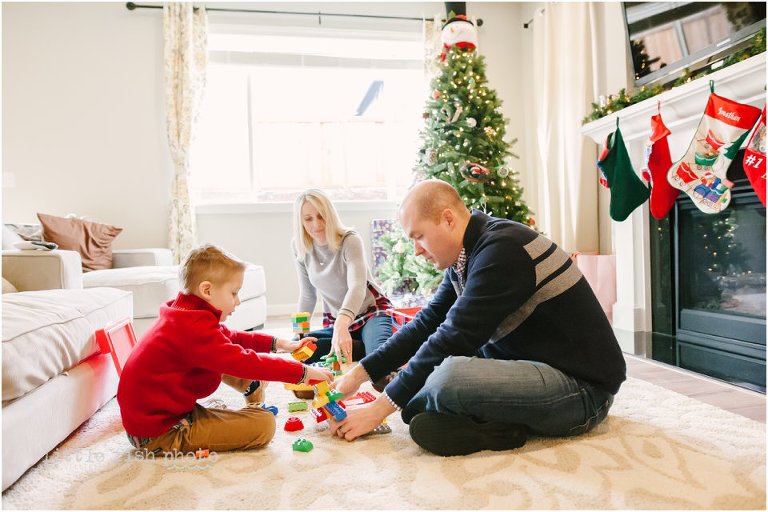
(183, 357)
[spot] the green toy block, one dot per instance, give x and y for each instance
(334, 395)
(302, 445)
(297, 406)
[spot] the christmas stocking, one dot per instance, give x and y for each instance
(658, 162)
(627, 190)
(701, 172)
(754, 159)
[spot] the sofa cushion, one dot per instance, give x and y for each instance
(8, 287)
(151, 286)
(92, 240)
(254, 283)
(48, 332)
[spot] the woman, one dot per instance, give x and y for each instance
(330, 262)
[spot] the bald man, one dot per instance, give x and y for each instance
(514, 341)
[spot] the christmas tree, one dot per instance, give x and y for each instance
(463, 144)
(463, 135)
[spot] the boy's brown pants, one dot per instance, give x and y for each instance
(219, 430)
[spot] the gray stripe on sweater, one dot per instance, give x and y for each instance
(552, 289)
(537, 246)
(549, 265)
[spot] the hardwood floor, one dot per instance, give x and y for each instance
(726, 396)
(705, 389)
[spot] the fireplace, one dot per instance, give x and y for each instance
(708, 287)
(645, 316)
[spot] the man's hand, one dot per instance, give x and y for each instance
(341, 343)
(290, 345)
(351, 381)
(362, 420)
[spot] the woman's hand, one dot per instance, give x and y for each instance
(341, 343)
(350, 382)
(317, 373)
(290, 345)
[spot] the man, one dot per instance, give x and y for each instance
(513, 342)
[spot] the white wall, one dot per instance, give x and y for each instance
(84, 132)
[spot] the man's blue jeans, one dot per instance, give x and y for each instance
(373, 334)
(547, 401)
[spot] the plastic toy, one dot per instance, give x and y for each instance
(293, 424)
(305, 351)
(361, 398)
(302, 445)
(117, 339)
(327, 403)
(270, 408)
(297, 406)
(300, 323)
(201, 454)
(331, 362)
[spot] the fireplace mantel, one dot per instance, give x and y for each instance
(681, 109)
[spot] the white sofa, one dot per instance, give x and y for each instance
(54, 377)
(147, 273)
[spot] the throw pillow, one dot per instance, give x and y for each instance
(9, 237)
(92, 240)
(8, 287)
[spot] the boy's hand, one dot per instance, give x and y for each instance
(317, 373)
(290, 345)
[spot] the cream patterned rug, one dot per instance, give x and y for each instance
(657, 450)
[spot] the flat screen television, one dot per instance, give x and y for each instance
(668, 37)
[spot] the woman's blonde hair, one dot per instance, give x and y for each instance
(334, 229)
(207, 263)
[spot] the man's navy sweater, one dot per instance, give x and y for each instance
(523, 299)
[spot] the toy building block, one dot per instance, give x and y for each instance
(305, 351)
(298, 387)
(302, 445)
(293, 424)
(320, 415)
(336, 411)
(270, 408)
(297, 406)
(201, 453)
(300, 323)
(361, 398)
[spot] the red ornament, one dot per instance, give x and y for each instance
(293, 424)
(531, 221)
(436, 94)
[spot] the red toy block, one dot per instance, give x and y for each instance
(117, 339)
(361, 398)
(201, 454)
(293, 424)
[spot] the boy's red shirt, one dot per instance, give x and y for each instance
(181, 359)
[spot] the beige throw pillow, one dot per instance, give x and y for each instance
(92, 240)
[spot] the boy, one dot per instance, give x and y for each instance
(183, 357)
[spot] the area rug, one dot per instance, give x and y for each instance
(657, 450)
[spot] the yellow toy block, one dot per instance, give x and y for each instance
(298, 387)
(303, 354)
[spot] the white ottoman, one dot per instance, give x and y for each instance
(153, 286)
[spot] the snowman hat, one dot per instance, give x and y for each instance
(456, 18)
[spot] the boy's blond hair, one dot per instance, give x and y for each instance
(334, 229)
(207, 263)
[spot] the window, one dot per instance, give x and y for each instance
(299, 108)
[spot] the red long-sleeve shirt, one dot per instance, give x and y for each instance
(181, 359)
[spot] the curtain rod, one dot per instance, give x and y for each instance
(530, 22)
(132, 6)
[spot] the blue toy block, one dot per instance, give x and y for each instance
(270, 408)
(336, 411)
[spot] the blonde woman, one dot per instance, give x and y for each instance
(330, 262)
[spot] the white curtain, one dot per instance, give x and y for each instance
(564, 61)
(431, 30)
(186, 54)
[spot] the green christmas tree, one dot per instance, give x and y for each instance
(463, 144)
(463, 136)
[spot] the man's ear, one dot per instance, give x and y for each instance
(204, 288)
(449, 217)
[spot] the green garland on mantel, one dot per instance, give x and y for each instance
(624, 100)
